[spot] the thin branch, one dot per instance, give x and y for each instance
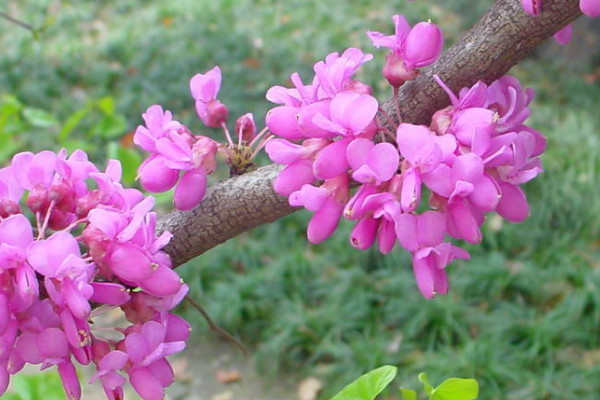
(17, 22)
(216, 328)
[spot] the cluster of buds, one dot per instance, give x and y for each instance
(68, 252)
(470, 161)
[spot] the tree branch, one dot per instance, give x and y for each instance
(501, 39)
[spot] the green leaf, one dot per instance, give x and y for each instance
(425, 381)
(9, 104)
(130, 160)
(38, 117)
(368, 386)
(71, 122)
(456, 389)
(110, 127)
(408, 394)
(106, 105)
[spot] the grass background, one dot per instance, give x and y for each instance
(522, 317)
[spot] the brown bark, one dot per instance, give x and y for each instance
(501, 39)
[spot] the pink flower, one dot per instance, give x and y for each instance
(205, 89)
(423, 235)
(564, 35)
(532, 7)
(591, 8)
(410, 49)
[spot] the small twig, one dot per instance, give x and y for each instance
(215, 327)
(17, 22)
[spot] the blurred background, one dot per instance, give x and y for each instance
(522, 317)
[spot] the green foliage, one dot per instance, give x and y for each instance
(371, 384)
(41, 386)
(368, 386)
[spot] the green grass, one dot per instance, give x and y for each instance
(522, 316)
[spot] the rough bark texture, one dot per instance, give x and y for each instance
(502, 38)
(228, 209)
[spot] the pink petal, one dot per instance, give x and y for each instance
(431, 228)
(383, 159)
(513, 203)
(53, 343)
(163, 282)
(532, 7)
(462, 223)
(129, 263)
(591, 8)
(331, 160)
(293, 177)
(324, 222)
(386, 236)
(190, 190)
(155, 176)
(309, 197)
(162, 370)
(423, 44)
(70, 381)
(282, 151)
(27, 347)
(283, 121)
(357, 152)
(467, 167)
(564, 36)
(424, 277)
(146, 384)
(486, 194)
(364, 233)
(406, 231)
(308, 122)
(410, 195)
(109, 293)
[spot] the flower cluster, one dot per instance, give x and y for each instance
(183, 160)
(411, 48)
(91, 247)
(590, 8)
(470, 161)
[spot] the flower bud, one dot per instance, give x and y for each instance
(216, 114)
(423, 44)
(245, 127)
(396, 71)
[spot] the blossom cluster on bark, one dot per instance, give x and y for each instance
(75, 243)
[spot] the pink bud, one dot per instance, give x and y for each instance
(591, 8)
(364, 233)
(70, 381)
(564, 35)
(396, 72)
(423, 44)
(37, 200)
(532, 7)
(215, 111)
(245, 127)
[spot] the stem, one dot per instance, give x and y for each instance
(75, 223)
(227, 135)
(397, 102)
(264, 130)
(214, 327)
(42, 231)
(17, 22)
(262, 144)
(390, 121)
